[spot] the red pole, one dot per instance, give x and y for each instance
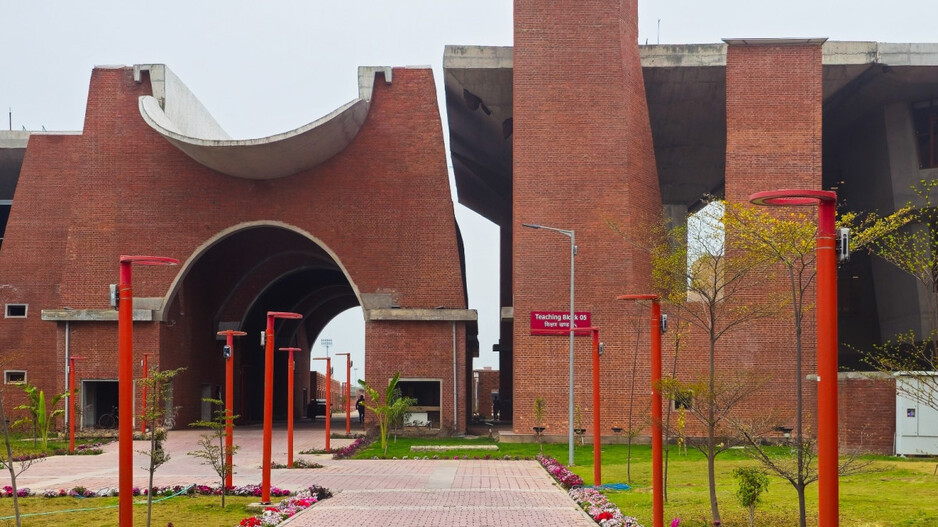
(269, 399)
(146, 375)
(328, 401)
(290, 369)
(826, 313)
(71, 403)
(656, 439)
(230, 334)
(828, 491)
(348, 392)
(125, 395)
(657, 476)
(125, 375)
(597, 433)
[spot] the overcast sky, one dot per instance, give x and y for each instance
(267, 66)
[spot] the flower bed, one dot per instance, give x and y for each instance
(349, 451)
(276, 514)
(189, 490)
(600, 509)
(297, 463)
(595, 503)
(562, 474)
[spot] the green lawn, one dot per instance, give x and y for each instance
(204, 511)
(890, 492)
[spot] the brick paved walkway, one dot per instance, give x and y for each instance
(367, 492)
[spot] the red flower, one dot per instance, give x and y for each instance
(605, 515)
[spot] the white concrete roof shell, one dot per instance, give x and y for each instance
(176, 114)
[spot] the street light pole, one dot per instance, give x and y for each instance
(71, 402)
(572, 236)
(656, 435)
(230, 334)
(125, 378)
(328, 397)
(290, 374)
(146, 375)
(826, 313)
(348, 392)
(269, 398)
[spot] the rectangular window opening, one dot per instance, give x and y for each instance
(16, 310)
(925, 124)
(14, 377)
(428, 393)
(683, 399)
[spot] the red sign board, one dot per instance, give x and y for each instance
(549, 322)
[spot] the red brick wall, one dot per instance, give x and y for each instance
(867, 413)
(773, 131)
(486, 384)
(382, 207)
(582, 154)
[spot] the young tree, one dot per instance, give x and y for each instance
(394, 405)
(788, 237)
(38, 414)
(13, 465)
(752, 483)
(158, 385)
(908, 240)
(212, 450)
(711, 287)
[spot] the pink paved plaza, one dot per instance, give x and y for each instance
(367, 492)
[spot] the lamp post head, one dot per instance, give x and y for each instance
(283, 314)
(148, 260)
(232, 332)
(792, 197)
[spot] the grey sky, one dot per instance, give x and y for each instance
(264, 67)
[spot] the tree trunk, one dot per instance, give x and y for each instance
(9, 462)
(711, 426)
(802, 514)
(152, 470)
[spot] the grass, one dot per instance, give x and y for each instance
(22, 445)
(204, 511)
(891, 492)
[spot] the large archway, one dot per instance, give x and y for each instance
(232, 283)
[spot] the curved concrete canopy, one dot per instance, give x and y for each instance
(178, 116)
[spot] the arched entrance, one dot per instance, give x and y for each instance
(232, 283)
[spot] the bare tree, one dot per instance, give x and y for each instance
(158, 385)
(212, 450)
(711, 287)
(908, 240)
(15, 466)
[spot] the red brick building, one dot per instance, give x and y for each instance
(574, 127)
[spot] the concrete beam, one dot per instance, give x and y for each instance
(179, 117)
(93, 315)
(423, 315)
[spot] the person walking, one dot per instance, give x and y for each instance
(360, 406)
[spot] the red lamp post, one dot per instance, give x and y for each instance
(826, 313)
(125, 353)
(348, 392)
(71, 403)
(328, 397)
(290, 368)
(230, 334)
(146, 375)
(269, 397)
(656, 436)
(597, 429)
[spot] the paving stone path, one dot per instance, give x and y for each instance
(367, 492)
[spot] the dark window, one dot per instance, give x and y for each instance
(16, 311)
(14, 376)
(683, 400)
(925, 121)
